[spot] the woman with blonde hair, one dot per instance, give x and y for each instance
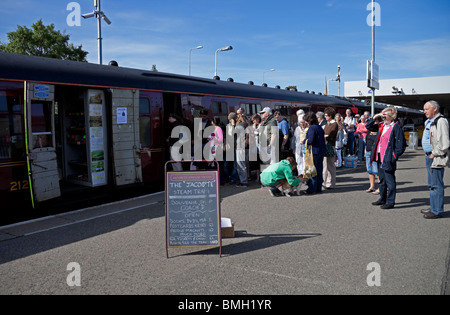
(387, 149)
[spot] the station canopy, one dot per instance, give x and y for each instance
(411, 93)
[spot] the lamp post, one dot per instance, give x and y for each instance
(372, 64)
(271, 70)
(190, 53)
(98, 13)
(338, 78)
(226, 48)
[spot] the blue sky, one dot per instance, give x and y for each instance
(303, 40)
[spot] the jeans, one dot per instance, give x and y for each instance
(388, 186)
(361, 145)
(230, 171)
(436, 187)
(372, 167)
(351, 142)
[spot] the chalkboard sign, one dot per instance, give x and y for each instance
(192, 209)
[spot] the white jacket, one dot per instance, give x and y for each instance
(440, 141)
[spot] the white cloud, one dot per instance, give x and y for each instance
(132, 54)
(425, 57)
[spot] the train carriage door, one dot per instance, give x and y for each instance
(126, 140)
(40, 142)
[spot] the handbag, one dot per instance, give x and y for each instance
(310, 170)
(330, 152)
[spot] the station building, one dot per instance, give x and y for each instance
(411, 93)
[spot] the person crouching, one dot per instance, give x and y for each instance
(275, 173)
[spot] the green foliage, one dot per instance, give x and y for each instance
(43, 41)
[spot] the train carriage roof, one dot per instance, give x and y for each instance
(30, 68)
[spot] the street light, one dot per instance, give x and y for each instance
(373, 80)
(271, 70)
(338, 78)
(98, 13)
(190, 51)
(226, 48)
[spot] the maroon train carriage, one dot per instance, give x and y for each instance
(71, 130)
(14, 185)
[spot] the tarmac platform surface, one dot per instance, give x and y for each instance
(332, 243)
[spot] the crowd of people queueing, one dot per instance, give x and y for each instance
(312, 149)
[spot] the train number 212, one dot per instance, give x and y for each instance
(19, 185)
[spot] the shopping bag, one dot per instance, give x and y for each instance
(310, 170)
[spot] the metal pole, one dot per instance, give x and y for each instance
(373, 53)
(99, 20)
(215, 71)
(226, 48)
(190, 53)
(264, 72)
(339, 79)
(99, 15)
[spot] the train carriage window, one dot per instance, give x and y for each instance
(218, 108)
(41, 124)
(224, 108)
(145, 123)
(283, 109)
(215, 107)
(11, 124)
(251, 109)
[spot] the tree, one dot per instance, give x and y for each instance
(43, 41)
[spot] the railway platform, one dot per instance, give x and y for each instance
(333, 243)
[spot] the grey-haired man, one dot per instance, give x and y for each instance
(435, 143)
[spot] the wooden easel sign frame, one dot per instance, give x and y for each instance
(192, 209)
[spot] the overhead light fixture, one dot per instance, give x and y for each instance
(105, 18)
(88, 15)
(226, 48)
